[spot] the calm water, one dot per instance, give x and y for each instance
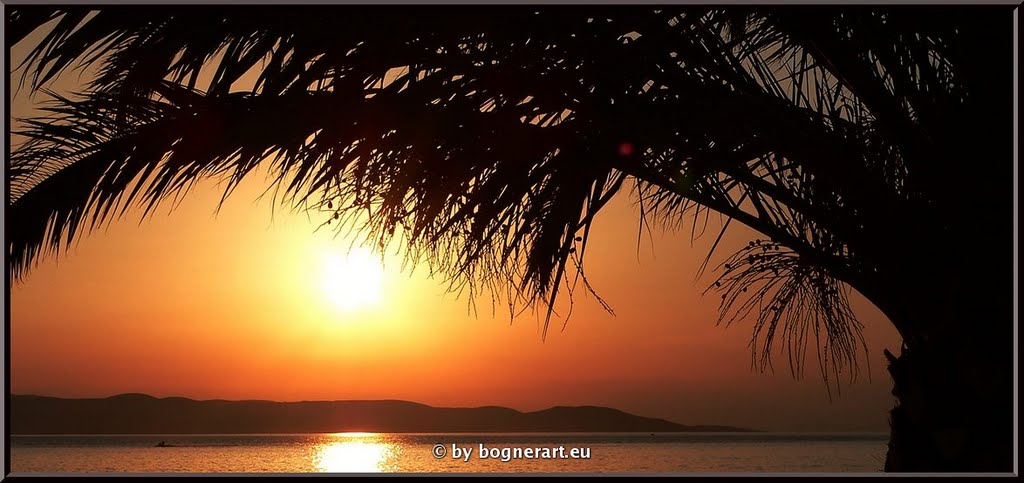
(351, 452)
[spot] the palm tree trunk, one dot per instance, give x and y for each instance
(953, 381)
(953, 414)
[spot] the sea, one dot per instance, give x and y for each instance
(755, 452)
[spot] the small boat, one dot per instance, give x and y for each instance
(164, 445)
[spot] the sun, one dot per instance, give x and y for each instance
(352, 280)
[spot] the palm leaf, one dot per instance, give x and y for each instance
(489, 138)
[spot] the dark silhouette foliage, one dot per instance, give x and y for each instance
(487, 139)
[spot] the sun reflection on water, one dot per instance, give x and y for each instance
(355, 453)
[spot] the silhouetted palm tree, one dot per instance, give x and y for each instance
(871, 148)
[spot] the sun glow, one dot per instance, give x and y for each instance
(352, 281)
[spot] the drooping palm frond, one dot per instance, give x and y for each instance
(789, 295)
(489, 138)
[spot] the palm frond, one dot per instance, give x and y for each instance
(488, 139)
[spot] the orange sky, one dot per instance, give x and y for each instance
(232, 306)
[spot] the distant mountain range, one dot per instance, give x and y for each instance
(143, 414)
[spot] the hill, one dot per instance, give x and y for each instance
(143, 414)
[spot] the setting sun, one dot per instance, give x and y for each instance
(352, 280)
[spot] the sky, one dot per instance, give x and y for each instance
(242, 304)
